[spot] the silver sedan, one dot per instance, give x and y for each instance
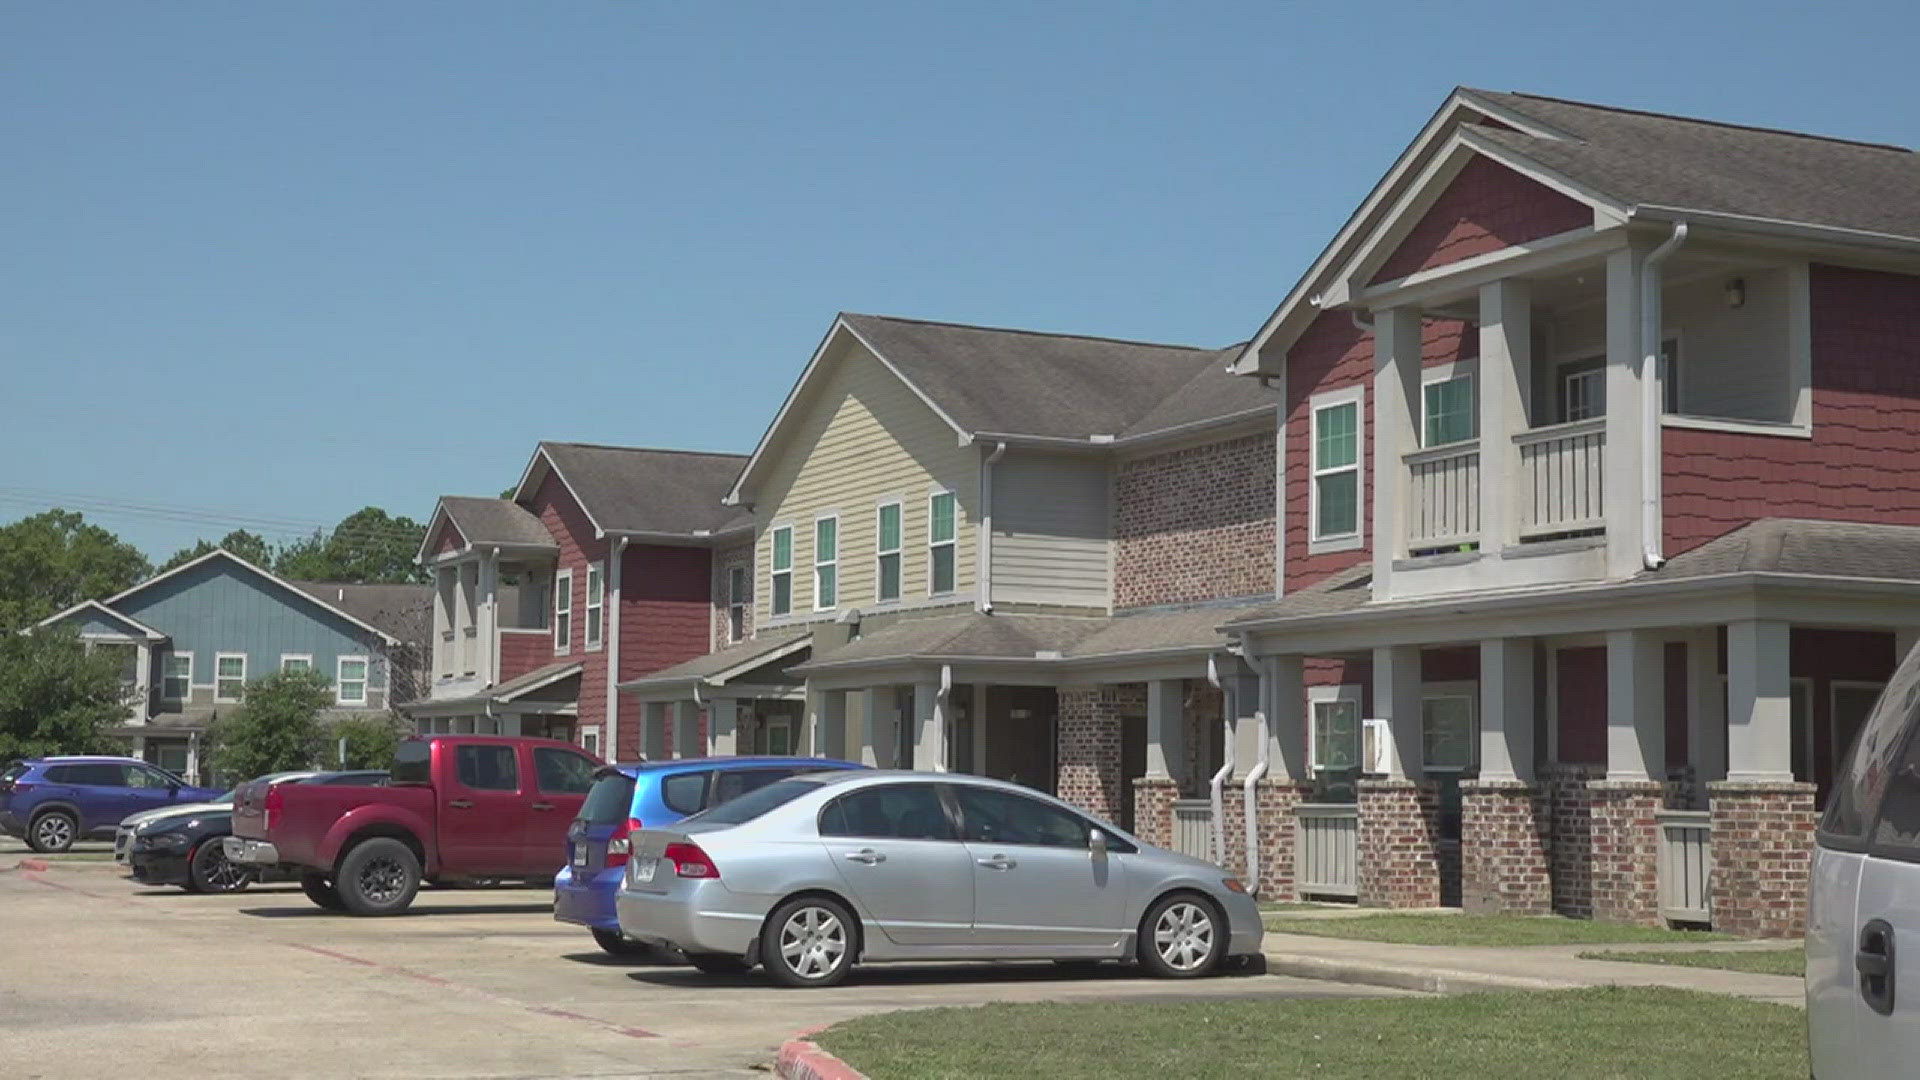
(809, 875)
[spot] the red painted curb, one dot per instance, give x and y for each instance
(35, 865)
(801, 1059)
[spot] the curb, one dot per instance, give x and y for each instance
(1424, 980)
(802, 1059)
(38, 866)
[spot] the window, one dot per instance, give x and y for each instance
(737, 601)
(754, 803)
(561, 772)
(1336, 469)
(783, 570)
(177, 677)
(1861, 777)
(685, 793)
(1583, 384)
(90, 775)
(487, 768)
(1451, 411)
(826, 563)
(1446, 730)
(892, 812)
(596, 605)
(940, 543)
(1336, 728)
(139, 776)
(229, 676)
(563, 611)
(296, 662)
(779, 737)
(730, 784)
(590, 742)
(886, 542)
(350, 681)
(989, 816)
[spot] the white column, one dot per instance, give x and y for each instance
(143, 682)
(443, 618)
(1505, 379)
(723, 726)
(1243, 698)
(488, 614)
(1625, 426)
(1287, 718)
(1506, 709)
(1396, 698)
(828, 712)
(1166, 730)
(653, 733)
(686, 730)
(980, 728)
(1759, 701)
(880, 723)
(1706, 706)
(193, 758)
(1636, 706)
(1396, 393)
(929, 729)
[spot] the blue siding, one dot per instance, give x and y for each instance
(220, 607)
(91, 621)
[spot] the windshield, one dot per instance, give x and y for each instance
(754, 803)
(609, 801)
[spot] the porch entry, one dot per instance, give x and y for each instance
(1022, 726)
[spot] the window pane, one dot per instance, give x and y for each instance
(895, 812)
(596, 588)
(890, 528)
(233, 667)
(563, 594)
(179, 666)
(731, 784)
(941, 518)
(487, 768)
(943, 569)
(1339, 508)
(737, 585)
(1336, 734)
(686, 792)
(782, 593)
(353, 669)
(1450, 411)
(1001, 817)
(296, 663)
(783, 549)
(562, 772)
(889, 577)
(826, 540)
(1336, 436)
(824, 587)
(1447, 732)
(594, 614)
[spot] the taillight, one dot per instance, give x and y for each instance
(689, 861)
(620, 844)
(271, 806)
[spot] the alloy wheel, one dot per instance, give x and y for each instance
(813, 942)
(1183, 936)
(54, 832)
(382, 881)
(223, 874)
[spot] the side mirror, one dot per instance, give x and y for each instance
(1096, 841)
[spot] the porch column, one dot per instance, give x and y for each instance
(980, 728)
(1504, 815)
(880, 725)
(1399, 816)
(723, 726)
(488, 647)
(1166, 731)
(686, 729)
(1621, 491)
(1762, 820)
(653, 732)
(1506, 709)
(1636, 706)
(1396, 394)
(929, 728)
(143, 682)
(193, 759)
(441, 642)
(1289, 775)
(1706, 706)
(1506, 375)
(1396, 697)
(1759, 702)
(1625, 834)
(827, 715)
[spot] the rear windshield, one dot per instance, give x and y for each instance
(609, 801)
(754, 803)
(411, 762)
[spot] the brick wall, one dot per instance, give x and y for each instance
(725, 560)
(1486, 207)
(1089, 750)
(1570, 805)
(1399, 844)
(1153, 799)
(1762, 856)
(1195, 524)
(1626, 850)
(1504, 830)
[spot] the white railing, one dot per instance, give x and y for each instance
(1443, 495)
(1561, 482)
(1326, 849)
(469, 650)
(1686, 865)
(1193, 828)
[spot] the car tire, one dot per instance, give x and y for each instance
(1182, 937)
(318, 890)
(717, 964)
(615, 943)
(378, 877)
(809, 941)
(52, 832)
(210, 871)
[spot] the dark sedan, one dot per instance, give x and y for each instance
(185, 849)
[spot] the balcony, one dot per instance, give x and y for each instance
(1561, 479)
(1444, 498)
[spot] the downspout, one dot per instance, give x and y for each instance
(1651, 402)
(613, 648)
(983, 547)
(940, 709)
(1254, 776)
(700, 704)
(1219, 781)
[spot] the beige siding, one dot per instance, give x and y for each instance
(863, 438)
(1050, 525)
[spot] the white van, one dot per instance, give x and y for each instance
(1863, 915)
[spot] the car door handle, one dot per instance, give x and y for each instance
(461, 804)
(1875, 964)
(998, 862)
(867, 856)
(543, 806)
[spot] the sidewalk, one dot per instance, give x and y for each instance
(1447, 969)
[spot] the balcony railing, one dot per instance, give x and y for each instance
(1561, 479)
(1193, 828)
(1443, 496)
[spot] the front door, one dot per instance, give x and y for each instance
(1037, 883)
(483, 811)
(1020, 735)
(895, 848)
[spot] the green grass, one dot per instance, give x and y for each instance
(1790, 961)
(1482, 930)
(1297, 905)
(1603, 1033)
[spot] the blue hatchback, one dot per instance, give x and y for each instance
(53, 801)
(625, 798)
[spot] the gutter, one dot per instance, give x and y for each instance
(940, 698)
(1798, 230)
(1254, 776)
(1651, 398)
(983, 546)
(1218, 783)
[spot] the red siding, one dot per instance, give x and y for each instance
(1456, 663)
(450, 540)
(665, 612)
(1581, 684)
(521, 653)
(1863, 462)
(555, 506)
(1486, 207)
(1829, 656)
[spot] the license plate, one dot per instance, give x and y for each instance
(580, 855)
(643, 867)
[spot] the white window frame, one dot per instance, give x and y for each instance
(186, 680)
(562, 612)
(737, 601)
(934, 545)
(305, 658)
(898, 551)
(340, 680)
(785, 726)
(1325, 695)
(1333, 399)
(596, 573)
(218, 678)
(774, 573)
(1446, 373)
(832, 564)
(590, 742)
(1464, 690)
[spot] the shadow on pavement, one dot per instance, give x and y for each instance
(312, 911)
(600, 959)
(955, 974)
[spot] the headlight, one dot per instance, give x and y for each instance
(172, 841)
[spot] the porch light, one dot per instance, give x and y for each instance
(1737, 293)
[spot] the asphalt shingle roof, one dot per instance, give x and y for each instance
(633, 489)
(713, 663)
(1837, 549)
(496, 521)
(404, 611)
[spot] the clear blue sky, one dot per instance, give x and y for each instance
(277, 262)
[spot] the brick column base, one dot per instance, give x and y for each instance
(1153, 798)
(1274, 801)
(1399, 844)
(1570, 850)
(1626, 850)
(1503, 838)
(1762, 854)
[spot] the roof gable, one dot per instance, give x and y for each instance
(461, 522)
(640, 490)
(92, 611)
(238, 565)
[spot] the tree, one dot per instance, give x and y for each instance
(370, 739)
(276, 728)
(52, 561)
(240, 542)
(367, 546)
(55, 697)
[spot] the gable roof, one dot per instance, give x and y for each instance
(404, 612)
(290, 587)
(640, 490)
(139, 628)
(493, 521)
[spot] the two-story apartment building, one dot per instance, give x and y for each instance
(194, 636)
(597, 569)
(1599, 429)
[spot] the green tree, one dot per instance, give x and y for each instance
(51, 561)
(240, 542)
(277, 726)
(368, 545)
(55, 697)
(370, 740)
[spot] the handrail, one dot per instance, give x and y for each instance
(1593, 425)
(1448, 452)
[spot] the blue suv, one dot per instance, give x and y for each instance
(53, 801)
(625, 798)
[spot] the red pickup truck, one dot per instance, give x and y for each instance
(459, 807)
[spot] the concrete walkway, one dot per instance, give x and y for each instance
(1455, 969)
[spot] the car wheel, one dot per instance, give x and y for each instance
(211, 871)
(615, 943)
(52, 832)
(1182, 937)
(717, 964)
(315, 885)
(378, 877)
(808, 941)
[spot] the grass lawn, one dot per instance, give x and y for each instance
(1296, 905)
(1481, 930)
(1790, 961)
(1607, 1032)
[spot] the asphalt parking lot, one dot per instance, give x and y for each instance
(100, 976)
